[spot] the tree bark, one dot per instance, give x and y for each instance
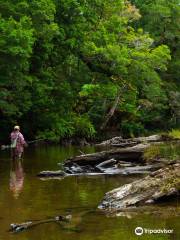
(159, 185)
(131, 154)
(120, 142)
(111, 112)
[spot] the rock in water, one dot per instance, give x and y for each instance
(51, 173)
(159, 185)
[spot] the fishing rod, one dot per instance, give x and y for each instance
(3, 147)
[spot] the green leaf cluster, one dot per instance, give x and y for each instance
(64, 63)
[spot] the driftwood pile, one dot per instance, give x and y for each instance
(125, 162)
(118, 160)
(124, 154)
(126, 157)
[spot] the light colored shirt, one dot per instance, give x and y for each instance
(20, 141)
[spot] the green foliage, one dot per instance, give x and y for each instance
(67, 127)
(152, 153)
(132, 129)
(171, 183)
(16, 43)
(166, 151)
(161, 18)
(64, 63)
(83, 127)
(174, 102)
(174, 133)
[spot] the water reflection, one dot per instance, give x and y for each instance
(16, 177)
(77, 196)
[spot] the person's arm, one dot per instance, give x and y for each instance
(22, 140)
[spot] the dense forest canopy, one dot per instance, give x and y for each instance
(79, 67)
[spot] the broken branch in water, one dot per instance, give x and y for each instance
(19, 227)
(81, 152)
(106, 163)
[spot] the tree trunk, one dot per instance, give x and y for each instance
(126, 154)
(120, 142)
(111, 112)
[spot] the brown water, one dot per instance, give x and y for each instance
(24, 197)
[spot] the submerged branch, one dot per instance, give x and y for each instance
(19, 227)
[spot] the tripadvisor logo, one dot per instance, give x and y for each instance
(139, 231)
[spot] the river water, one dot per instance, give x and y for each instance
(24, 197)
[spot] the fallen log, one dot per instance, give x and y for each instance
(110, 170)
(123, 145)
(106, 163)
(138, 169)
(122, 164)
(131, 154)
(108, 167)
(120, 142)
(161, 184)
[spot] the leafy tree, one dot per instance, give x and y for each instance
(75, 67)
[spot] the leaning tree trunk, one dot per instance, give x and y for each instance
(111, 112)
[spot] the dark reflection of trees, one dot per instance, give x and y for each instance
(16, 177)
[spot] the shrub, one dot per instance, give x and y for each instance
(83, 126)
(132, 128)
(174, 134)
(151, 153)
(166, 151)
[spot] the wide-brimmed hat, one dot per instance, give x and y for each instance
(16, 128)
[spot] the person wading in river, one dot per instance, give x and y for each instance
(17, 143)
